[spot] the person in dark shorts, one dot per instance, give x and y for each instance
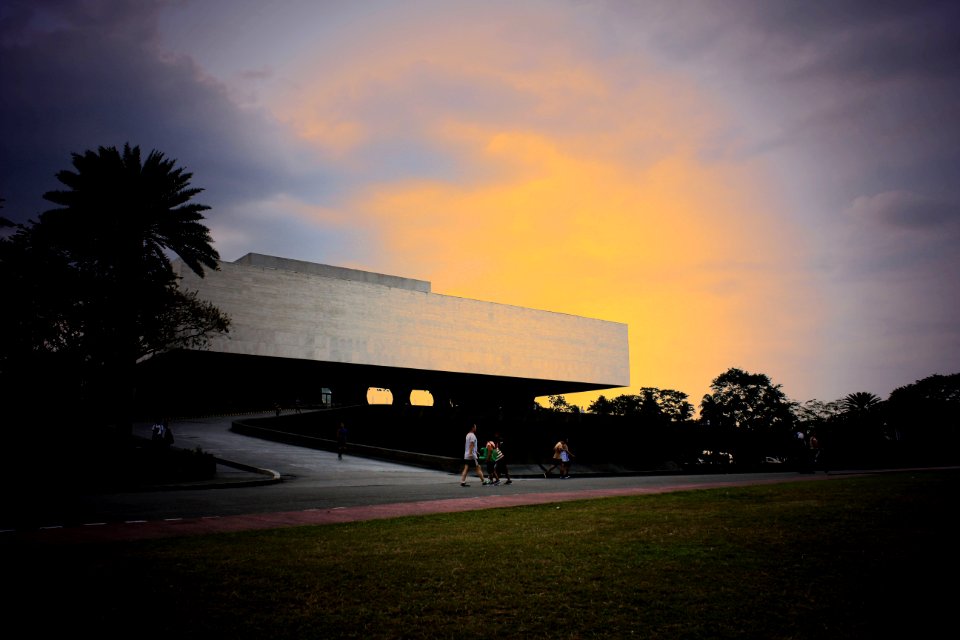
(492, 455)
(501, 461)
(565, 459)
(471, 457)
(556, 460)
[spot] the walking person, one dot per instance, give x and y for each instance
(501, 462)
(557, 458)
(471, 457)
(817, 459)
(492, 456)
(566, 457)
(341, 441)
(161, 434)
(156, 433)
(801, 452)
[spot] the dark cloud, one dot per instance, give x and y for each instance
(867, 41)
(905, 210)
(83, 75)
(857, 37)
(21, 21)
(864, 90)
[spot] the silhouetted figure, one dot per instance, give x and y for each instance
(501, 463)
(802, 453)
(557, 458)
(566, 457)
(161, 434)
(817, 459)
(341, 441)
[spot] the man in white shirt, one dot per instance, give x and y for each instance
(470, 457)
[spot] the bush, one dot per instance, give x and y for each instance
(152, 464)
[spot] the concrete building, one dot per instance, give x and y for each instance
(299, 329)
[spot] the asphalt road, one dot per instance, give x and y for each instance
(315, 480)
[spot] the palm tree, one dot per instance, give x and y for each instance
(863, 426)
(859, 403)
(116, 222)
(121, 214)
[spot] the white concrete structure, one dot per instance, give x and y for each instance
(289, 309)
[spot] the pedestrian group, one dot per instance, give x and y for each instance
(494, 458)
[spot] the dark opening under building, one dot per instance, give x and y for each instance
(320, 334)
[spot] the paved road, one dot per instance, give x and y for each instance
(317, 487)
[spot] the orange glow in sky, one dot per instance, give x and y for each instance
(617, 216)
(676, 250)
(743, 184)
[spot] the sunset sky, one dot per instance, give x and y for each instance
(767, 185)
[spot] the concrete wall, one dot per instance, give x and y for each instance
(328, 271)
(300, 313)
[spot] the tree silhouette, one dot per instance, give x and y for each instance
(560, 404)
(855, 433)
(925, 415)
(860, 402)
(651, 403)
(601, 406)
(95, 279)
(748, 414)
(671, 404)
(748, 401)
(813, 414)
(120, 214)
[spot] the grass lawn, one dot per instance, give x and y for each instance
(848, 558)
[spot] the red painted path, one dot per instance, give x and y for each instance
(137, 530)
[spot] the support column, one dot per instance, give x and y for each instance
(441, 398)
(348, 395)
(401, 395)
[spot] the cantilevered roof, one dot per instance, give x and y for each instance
(292, 309)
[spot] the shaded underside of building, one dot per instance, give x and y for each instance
(317, 334)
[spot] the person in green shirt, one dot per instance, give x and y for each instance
(491, 454)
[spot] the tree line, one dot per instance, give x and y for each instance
(747, 419)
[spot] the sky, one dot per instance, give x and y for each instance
(761, 184)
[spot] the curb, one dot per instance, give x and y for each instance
(269, 477)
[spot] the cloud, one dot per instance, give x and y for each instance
(905, 210)
(85, 78)
(860, 40)
(571, 187)
(854, 93)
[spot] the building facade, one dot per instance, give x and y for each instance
(298, 328)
